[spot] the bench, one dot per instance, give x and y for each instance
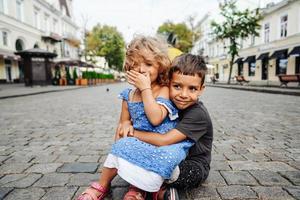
(286, 78)
(241, 79)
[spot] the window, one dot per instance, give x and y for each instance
(19, 10)
(281, 66)
(2, 6)
(36, 18)
(4, 38)
(252, 68)
(267, 32)
(283, 26)
(55, 26)
(46, 23)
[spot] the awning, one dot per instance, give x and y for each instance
(53, 37)
(36, 52)
(295, 51)
(263, 56)
(279, 54)
(9, 55)
(250, 59)
(239, 60)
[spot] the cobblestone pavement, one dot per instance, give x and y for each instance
(53, 144)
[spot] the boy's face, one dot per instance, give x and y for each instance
(185, 90)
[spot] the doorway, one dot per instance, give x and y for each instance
(8, 71)
(264, 68)
(297, 67)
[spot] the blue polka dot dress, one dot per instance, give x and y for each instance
(161, 160)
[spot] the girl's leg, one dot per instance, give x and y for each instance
(100, 189)
(107, 175)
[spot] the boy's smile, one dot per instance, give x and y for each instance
(185, 89)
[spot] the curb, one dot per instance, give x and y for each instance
(49, 91)
(262, 90)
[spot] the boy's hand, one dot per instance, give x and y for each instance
(140, 81)
(124, 130)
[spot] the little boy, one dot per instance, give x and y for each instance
(187, 76)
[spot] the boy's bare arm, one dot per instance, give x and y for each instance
(171, 137)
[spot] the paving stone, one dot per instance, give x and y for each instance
(119, 182)
(293, 190)
(119, 192)
(4, 191)
(83, 179)
(79, 167)
(293, 176)
(44, 159)
(256, 157)
(52, 180)
(66, 158)
(19, 180)
(214, 179)
(234, 156)
(44, 168)
(236, 192)
(278, 166)
(276, 193)
(89, 159)
(238, 178)
(268, 178)
(3, 158)
(203, 193)
(220, 165)
(60, 193)
(13, 168)
(26, 194)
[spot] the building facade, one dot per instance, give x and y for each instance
(261, 59)
(27, 24)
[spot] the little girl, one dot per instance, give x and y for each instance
(148, 108)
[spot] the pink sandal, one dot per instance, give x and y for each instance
(135, 193)
(89, 193)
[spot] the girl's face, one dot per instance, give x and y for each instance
(147, 67)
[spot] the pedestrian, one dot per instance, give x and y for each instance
(148, 108)
(187, 76)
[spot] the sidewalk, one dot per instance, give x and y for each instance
(18, 90)
(266, 89)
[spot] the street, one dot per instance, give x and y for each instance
(53, 144)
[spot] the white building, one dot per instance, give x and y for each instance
(27, 24)
(275, 51)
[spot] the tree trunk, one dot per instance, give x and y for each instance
(230, 69)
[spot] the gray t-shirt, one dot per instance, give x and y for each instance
(196, 124)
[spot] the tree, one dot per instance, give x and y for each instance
(236, 25)
(195, 28)
(106, 41)
(184, 35)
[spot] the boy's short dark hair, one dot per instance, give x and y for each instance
(189, 64)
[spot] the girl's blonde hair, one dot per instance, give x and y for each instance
(149, 50)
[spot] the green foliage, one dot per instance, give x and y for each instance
(236, 25)
(181, 30)
(75, 76)
(106, 41)
(68, 75)
(57, 72)
(95, 75)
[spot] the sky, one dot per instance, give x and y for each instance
(145, 16)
